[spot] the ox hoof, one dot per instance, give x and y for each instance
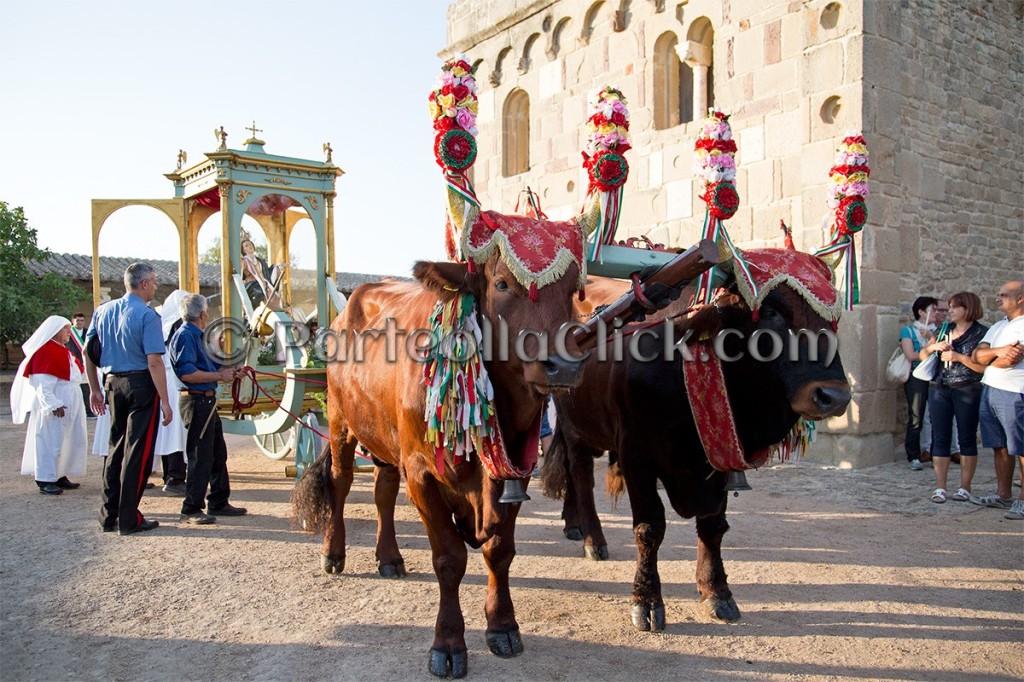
(596, 553)
(332, 565)
(648, 617)
(444, 663)
(393, 569)
(505, 644)
(722, 609)
(573, 533)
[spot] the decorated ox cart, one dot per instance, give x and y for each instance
(277, 396)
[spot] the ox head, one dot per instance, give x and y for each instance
(784, 336)
(525, 365)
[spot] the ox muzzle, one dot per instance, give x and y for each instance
(817, 400)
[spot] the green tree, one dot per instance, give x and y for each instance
(27, 300)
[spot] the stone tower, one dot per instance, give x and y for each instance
(934, 85)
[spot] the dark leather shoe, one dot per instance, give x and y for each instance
(63, 482)
(175, 489)
(50, 489)
(228, 510)
(198, 518)
(146, 524)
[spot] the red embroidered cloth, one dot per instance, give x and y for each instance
(536, 251)
(808, 275)
(709, 403)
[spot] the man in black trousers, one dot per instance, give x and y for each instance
(125, 336)
(207, 453)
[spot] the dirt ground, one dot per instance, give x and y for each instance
(840, 575)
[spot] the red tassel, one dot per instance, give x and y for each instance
(534, 295)
(583, 293)
(788, 234)
(471, 266)
(756, 314)
(835, 326)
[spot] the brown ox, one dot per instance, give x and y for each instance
(380, 403)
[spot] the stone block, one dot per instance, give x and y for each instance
(776, 78)
(782, 133)
(750, 144)
(883, 251)
(485, 107)
(773, 42)
(678, 200)
(789, 172)
(551, 81)
(792, 37)
(748, 51)
(823, 68)
(654, 169)
(852, 452)
(760, 183)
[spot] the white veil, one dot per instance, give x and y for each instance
(21, 391)
(170, 311)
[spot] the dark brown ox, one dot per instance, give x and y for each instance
(639, 412)
(380, 403)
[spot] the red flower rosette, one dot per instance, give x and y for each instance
(851, 215)
(607, 170)
(722, 199)
(455, 149)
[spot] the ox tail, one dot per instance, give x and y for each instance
(614, 481)
(313, 496)
(554, 473)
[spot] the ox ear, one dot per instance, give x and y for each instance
(445, 279)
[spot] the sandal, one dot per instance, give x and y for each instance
(939, 496)
(962, 495)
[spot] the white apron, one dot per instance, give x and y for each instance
(171, 438)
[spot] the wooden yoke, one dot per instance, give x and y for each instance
(656, 291)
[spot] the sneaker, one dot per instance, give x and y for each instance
(197, 518)
(228, 510)
(992, 500)
(915, 465)
(175, 489)
(1016, 512)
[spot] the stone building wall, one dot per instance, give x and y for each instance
(934, 85)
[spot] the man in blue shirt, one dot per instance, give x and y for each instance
(125, 336)
(205, 447)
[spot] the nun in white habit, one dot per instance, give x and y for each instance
(46, 390)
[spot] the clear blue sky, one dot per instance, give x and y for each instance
(99, 96)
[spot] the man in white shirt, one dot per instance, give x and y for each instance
(1002, 398)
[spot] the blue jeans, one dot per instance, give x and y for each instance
(916, 391)
(946, 404)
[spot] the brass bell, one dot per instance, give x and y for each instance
(513, 492)
(736, 482)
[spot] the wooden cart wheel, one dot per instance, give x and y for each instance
(277, 445)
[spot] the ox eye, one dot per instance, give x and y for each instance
(501, 285)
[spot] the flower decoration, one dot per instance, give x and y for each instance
(849, 183)
(453, 106)
(608, 122)
(846, 191)
(716, 165)
(607, 140)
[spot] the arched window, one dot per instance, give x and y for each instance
(515, 134)
(698, 52)
(673, 84)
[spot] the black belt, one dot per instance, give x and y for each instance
(128, 374)
(207, 394)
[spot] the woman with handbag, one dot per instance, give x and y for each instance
(913, 337)
(955, 392)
